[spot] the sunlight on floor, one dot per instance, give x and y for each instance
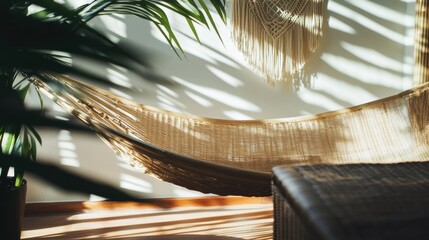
(232, 222)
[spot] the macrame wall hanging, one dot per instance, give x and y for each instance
(277, 36)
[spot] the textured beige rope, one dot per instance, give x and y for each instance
(386, 131)
(278, 36)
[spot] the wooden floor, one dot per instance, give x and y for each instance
(207, 221)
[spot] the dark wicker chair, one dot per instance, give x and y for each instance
(380, 201)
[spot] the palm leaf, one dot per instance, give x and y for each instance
(155, 12)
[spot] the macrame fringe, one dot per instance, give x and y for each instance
(279, 60)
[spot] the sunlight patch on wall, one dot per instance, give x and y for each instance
(367, 22)
(317, 99)
(121, 93)
(373, 57)
(167, 90)
(363, 72)
(384, 12)
(234, 115)
(225, 77)
(350, 93)
(67, 149)
(165, 100)
(408, 67)
(61, 113)
(336, 24)
(183, 192)
(167, 97)
(195, 50)
(124, 163)
(198, 99)
(169, 108)
(119, 78)
(135, 184)
(117, 29)
(220, 96)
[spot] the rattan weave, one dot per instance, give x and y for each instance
(361, 201)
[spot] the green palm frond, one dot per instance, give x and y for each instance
(155, 11)
(27, 40)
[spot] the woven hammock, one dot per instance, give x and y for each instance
(236, 157)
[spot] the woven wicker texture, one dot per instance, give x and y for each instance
(380, 201)
(287, 225)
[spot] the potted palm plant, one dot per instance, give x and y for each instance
(34, 36)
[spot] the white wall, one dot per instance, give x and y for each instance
(366, 55)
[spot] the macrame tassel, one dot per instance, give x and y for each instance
(277, 46)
